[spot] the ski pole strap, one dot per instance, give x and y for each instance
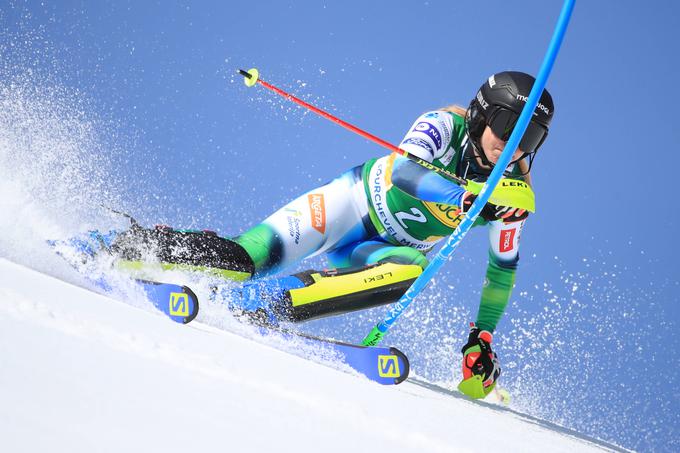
(396, 310)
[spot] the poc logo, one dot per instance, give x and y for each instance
(179, 304)
(388, 366)
(540, 106)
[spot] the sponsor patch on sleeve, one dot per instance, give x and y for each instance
(431, 131)
(317, 209)
(507, 240)
(420, 143)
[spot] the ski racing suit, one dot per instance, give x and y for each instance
(387, 212)
(375, 223)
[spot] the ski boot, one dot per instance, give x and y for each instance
(481, 367)
(314, 294)
(80, 250)
(262, 302)
(165, 248)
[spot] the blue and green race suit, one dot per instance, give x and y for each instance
(389, 210)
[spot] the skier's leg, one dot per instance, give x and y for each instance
(329, 216)
(378, 273)
(374, 273)
(325, 218)
(140, 248)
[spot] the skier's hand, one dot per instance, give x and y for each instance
(507, 214)
(479, 359)
(466, 201)
(491, 211)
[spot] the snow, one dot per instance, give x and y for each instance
(81, 372)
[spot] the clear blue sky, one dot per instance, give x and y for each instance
(591, 334)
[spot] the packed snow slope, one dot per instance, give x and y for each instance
(81, 372)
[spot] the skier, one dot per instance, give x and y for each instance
(375, 223)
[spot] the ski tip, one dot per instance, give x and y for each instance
(250, 76)
(178, 302)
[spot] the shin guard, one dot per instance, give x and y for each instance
(340, 291)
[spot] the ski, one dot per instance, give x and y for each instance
(179, 303)
(384, 365)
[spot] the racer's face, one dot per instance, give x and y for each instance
(493, 146)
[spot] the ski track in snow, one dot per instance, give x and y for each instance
(82, 372)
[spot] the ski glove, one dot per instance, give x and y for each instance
(505, 213)
(479, 359)
(491, 212)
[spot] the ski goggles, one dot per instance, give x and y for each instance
(502, 122)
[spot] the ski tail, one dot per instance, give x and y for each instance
(384, 365)
(179, 303)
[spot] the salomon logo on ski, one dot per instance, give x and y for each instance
(179, 304)
(388, 366)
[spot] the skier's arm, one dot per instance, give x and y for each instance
(424, 184)
(428, 138)
(500, 272)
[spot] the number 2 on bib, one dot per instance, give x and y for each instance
(416, 216)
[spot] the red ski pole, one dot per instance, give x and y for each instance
(252, 77)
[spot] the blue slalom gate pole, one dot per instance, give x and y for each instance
(398, 308)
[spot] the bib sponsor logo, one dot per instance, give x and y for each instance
(317, 208)
(446, 214)
(179, 304)
(388, 366)
(377, 194)
(507, 240)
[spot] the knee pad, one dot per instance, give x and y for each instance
(340, 291)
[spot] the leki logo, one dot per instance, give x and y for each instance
(375, 278)
(507, 238)
(318, 211)
(388, 366)
(179, 304)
